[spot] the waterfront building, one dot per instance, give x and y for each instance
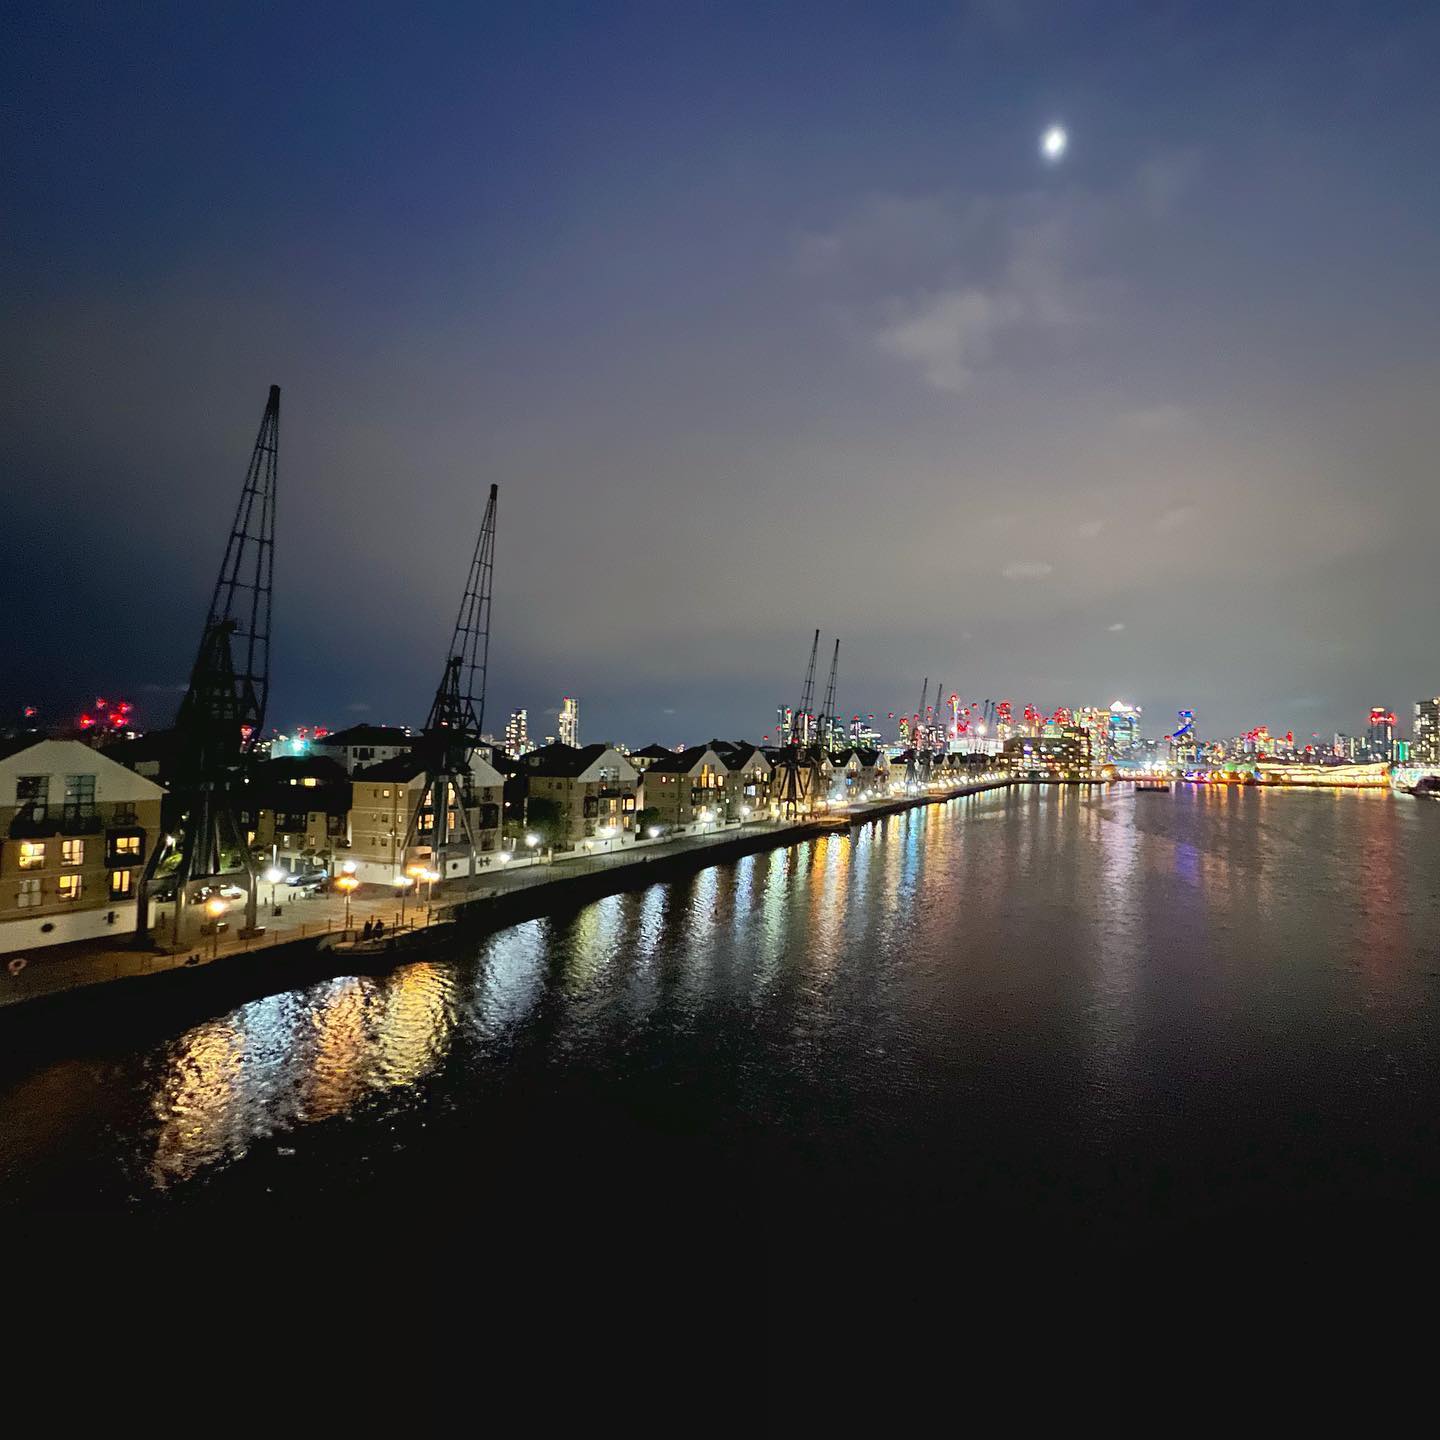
(517, 734)
(749, 780)
(76, 828)
(682, 789)
(1061, 757)
(594, 788)
(1425, 738)
(294, 808)
(383, 798)
(570, 722)
(364, 745)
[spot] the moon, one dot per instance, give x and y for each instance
(1054, 143)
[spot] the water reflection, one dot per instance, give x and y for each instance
(1035, 953)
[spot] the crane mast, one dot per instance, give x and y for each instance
(223, 712)
(453, 727)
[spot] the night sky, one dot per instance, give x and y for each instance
(762, 317)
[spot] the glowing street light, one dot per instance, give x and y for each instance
(274, 875)
(403, 884)
(215, 907)
(347, 882)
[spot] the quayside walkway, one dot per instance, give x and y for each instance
(314, 922)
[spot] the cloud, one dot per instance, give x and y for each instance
(1026, 570)
(1090, 529)
(1174, 518)
(950, 335)
(1116, 627)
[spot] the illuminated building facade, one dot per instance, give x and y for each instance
(570, 721)
(1380, 734)
(77, 828)
(517, 734)
(1425, 738)
(1065, 756)
(1122, 731)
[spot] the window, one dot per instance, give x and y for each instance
(124, 814)
(69, 887)
(79, 795)
(124, 848)
(29, 893)
(32, 790)
(120, 881)
(32, 854)
(72, 852)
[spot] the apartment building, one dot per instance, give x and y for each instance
(75, 831)
(594, 787)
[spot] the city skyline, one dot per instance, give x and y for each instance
(1147, 417)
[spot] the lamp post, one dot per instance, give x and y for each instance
(347, 882)
(404, 882)
(274, 875)
(215, 907)
(531, 841)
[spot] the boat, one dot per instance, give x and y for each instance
(1151, 785)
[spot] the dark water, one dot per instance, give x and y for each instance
(1060, 1022)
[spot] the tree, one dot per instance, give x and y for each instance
(542, 818)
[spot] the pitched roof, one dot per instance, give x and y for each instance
(284, 768)
(560, 761)
(652, 752)
(398, 769)
(681, 764)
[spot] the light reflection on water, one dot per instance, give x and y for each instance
(1051, 965)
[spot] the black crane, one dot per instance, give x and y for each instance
(792, 791)
(223, 711)
(457, 714)
(827, 713)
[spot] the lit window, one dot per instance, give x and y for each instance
(308, 780)
(32, 854)
(29, 893)
(120, 881)
(69, 887)
(72, 852)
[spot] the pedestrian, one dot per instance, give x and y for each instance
(368, 931)
(379, 928)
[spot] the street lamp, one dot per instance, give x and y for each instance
(403, 883)
(274, 875)
(347, 882)
(215, 907)
(531, 841)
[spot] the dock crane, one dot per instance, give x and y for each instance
(221, 716)
(828, 718)
(792, 792)
(452, 731)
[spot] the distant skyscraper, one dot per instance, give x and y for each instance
(517, 734)
(1124, 729)
(569, 721)
(1425, 739)
(1380, 734)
